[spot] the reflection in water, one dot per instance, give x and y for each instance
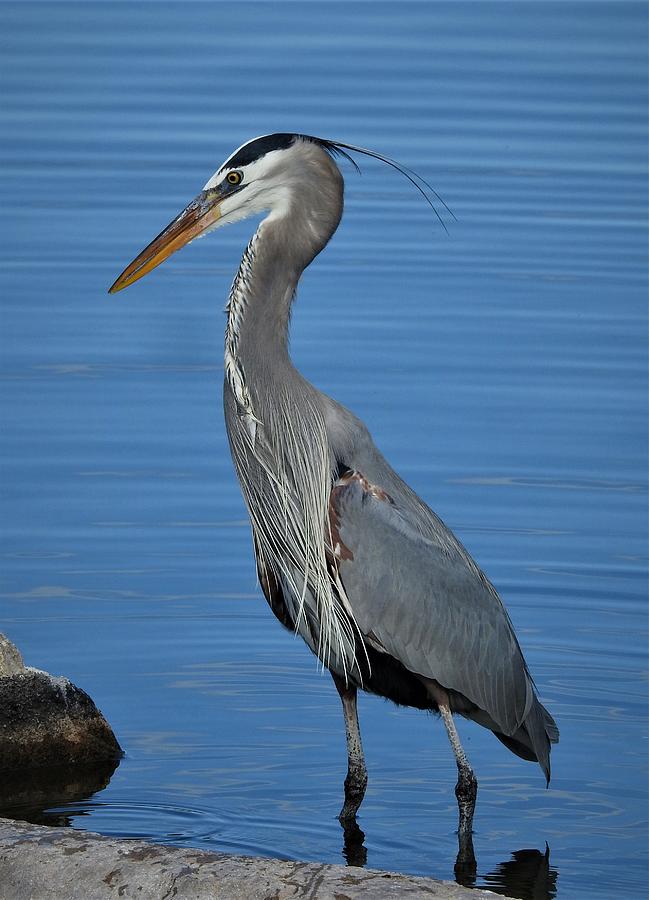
(526, 876)
(466, 865)
(354, 849)
(29, 795)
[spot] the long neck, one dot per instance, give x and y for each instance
(259, 307)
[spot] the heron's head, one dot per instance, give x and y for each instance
(267, 174)
(286, 174)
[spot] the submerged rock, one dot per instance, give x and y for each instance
(47, 720)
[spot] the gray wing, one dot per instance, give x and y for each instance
(425, 604)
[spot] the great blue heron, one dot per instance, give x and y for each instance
(347, 554)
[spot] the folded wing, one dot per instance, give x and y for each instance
(420, 601)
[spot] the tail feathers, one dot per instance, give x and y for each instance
(550, 726)
(533, 739)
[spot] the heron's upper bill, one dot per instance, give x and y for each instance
(201, 214)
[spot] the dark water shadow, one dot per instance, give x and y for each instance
(27, 796)
(527, 875)
(354, 849)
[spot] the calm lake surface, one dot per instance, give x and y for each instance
(501, 368)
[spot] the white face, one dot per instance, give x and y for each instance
(265, 185)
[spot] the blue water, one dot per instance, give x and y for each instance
(501, 368)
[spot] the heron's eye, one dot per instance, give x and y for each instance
(234, 178)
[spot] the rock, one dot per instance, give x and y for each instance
(11, 662)
(47, 720)
(51, 863)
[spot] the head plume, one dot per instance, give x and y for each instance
(340, 148)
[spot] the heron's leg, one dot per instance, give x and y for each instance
(356, 780)
(466, 789)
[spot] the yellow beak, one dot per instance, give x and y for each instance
(201, 213)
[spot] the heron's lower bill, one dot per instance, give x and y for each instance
(201, 213)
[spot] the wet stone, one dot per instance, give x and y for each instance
(11, 662)
(52, 863)
(47, 720)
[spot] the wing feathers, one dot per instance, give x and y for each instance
(425, 606)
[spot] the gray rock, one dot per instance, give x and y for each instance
(53, 863)
(47, 720)
(11, 662)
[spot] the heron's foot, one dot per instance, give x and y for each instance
(355, 785)
(466, 791)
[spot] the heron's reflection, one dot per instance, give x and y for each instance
(354, 849)
(527, 875)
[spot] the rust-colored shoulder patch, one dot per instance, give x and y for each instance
(372, 489)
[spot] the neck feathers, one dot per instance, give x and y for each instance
(236, 307)
(259, 305)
